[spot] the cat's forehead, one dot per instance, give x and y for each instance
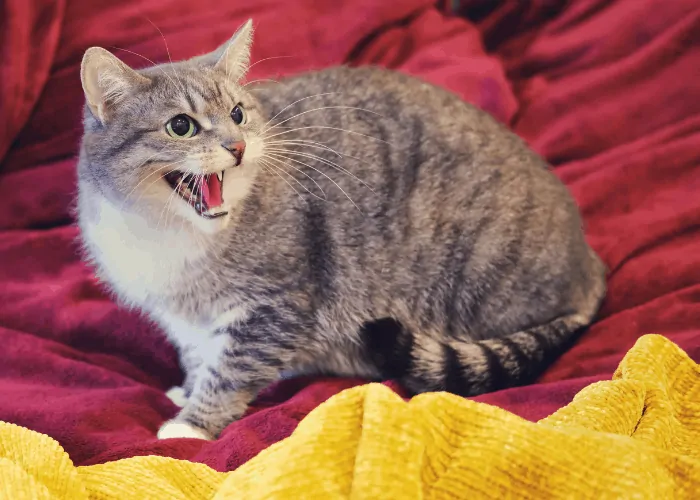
(193, 89)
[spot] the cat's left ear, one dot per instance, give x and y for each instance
(107, 81)
(233, 57)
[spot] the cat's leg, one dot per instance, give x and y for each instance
(177, 395)
(190, 342)
(190, 361)
(251, 355)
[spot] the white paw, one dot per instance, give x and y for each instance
(177, 395)
(172, 430)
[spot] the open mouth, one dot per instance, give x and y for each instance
(202, 192)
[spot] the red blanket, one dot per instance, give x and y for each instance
(606, 91)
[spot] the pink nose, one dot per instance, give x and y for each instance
(237, 149)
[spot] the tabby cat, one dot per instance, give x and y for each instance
(356, 222)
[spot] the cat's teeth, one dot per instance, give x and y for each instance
(220, 175)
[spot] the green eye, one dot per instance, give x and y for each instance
(181, 127)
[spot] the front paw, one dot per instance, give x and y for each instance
(173, 429)
(177, 395)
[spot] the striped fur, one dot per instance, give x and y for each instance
(398, 233)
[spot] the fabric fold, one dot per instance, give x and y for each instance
(29, 36)
(633, 436)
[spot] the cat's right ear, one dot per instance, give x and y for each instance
(107, 81)
(233, 57)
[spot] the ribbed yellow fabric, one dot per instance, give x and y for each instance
(636, 436)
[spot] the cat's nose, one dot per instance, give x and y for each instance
(236, 148)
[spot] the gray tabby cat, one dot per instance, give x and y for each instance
(356, 222)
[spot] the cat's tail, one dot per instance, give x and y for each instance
(469, 368)
(466, 367)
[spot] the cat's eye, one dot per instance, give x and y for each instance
(181, 127)
(238, 114)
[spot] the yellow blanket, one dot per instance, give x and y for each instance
(637, 436)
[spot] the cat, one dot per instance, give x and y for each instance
(348, 221)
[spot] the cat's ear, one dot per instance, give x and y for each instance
(107, 81)
(233, 57)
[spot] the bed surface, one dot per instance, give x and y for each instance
(607, 92)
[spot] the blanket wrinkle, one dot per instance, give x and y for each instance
(634, 436)
(602, 89)
(29, 36)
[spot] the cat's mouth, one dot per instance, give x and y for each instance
(204, 193)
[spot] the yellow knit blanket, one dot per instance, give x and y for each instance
(637, 436)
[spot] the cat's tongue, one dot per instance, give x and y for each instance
(211, 191)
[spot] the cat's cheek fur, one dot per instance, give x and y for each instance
(238, 181)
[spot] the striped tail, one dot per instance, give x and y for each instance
(474, 368)
(469, 368)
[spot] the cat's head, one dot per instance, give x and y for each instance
(176, 140)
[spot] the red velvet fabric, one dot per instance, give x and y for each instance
(606, 91)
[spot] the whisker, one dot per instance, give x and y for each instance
(152, 173)
(199, 178)
(330, 128)
(151, 184)
(169, 214)
(267, 59)
(302, 142)
(195, 183)
(147, 59)
(167, 203)
(307, 143)
(323, 160)
(303, 173)
(274, 171)
(191, 224)
(302, 99)
(282, 158)
(167, 50)
(156, 180)
(260, 80)
(321, 109)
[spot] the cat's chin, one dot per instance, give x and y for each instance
(214, 226)
(208, 225)
(183, 217)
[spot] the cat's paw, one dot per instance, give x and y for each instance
(173, 430)
(177, 395)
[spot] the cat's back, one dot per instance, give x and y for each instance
(392, 94)
(390, 126)
(369, 84)
(403, 110)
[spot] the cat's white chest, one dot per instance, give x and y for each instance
(138, 262)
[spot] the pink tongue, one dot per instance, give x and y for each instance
(211, 191)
